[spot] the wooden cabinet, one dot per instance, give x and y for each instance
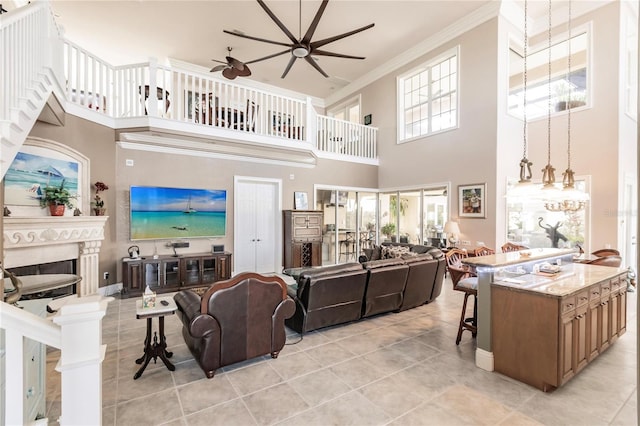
(170, 273)
(551, 339)
(302, 238)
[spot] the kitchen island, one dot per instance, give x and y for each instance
(546, 327)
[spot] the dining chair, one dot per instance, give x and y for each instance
(347, 246)
(483, 251)
(606, 252)
(507, 247)
(248, 119)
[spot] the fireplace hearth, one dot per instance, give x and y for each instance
(37, 241)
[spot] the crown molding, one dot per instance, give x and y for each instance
(472, 20)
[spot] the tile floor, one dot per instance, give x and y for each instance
(394, 369)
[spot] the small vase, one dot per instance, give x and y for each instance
(99, 211)
(56, 209)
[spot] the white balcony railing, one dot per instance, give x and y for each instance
(154, 90)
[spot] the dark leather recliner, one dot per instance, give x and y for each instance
(327, 296)
(421, 278)
(235, 320)
(385, 285)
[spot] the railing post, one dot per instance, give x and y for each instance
(152, 101)
(81, 359)
(312, 124)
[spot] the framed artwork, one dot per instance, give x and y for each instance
(472, 200)
(300, 201)
(166, 213)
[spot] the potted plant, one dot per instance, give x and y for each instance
(98, 203)
(388, 230)
(56, 198)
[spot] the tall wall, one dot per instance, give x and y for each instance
(466, 155)
(107, 164)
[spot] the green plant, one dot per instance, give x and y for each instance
(388, 229)
(393, 206)
(56, 195)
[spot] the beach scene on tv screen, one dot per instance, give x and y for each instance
(158, 213)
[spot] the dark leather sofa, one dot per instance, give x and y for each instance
(235, 320)
(327, 296)
(337, 294)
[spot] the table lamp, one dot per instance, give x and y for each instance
(452, 229)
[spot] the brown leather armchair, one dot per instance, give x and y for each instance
(235, 320)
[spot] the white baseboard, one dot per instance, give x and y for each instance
(484, 359)
(111, 289)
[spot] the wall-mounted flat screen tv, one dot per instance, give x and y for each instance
(165, 213)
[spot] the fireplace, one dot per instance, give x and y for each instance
(35, 241)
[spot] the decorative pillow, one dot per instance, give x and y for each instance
(391, 252)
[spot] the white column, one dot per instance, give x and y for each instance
(89, 268)
(81, 357)
(14, 370)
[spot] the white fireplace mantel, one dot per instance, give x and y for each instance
(36, 240)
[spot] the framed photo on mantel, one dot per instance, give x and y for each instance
(472, 200)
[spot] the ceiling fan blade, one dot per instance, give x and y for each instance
(337, 55)
(244, 72)
(235, 63)
(268, 57)
(286, 70)
(256, 38)
(309, 59)
(218, 68)
(278, 22)
(229, 73)
(312, 28)
(321, 43)
(220, 62)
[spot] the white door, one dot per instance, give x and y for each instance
(257, 246)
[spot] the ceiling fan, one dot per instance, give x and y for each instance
(302, 47)
(232, 68)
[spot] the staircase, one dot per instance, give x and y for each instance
(27, 79)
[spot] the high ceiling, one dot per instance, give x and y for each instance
(128, 32)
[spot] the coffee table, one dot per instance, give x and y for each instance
(157, 349)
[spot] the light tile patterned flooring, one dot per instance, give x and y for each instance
(394, 369)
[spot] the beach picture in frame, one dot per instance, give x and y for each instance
(166, 213)
(300, 201)
(472, 200)
(32, 171)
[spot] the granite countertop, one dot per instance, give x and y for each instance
(571, 279)
(515, 257)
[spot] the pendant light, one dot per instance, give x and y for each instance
(548, 173)
(572, 199)
(524, 187)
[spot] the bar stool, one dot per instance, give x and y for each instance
(347, 246)
(464, 281)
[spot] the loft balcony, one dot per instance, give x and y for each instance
(154, 106)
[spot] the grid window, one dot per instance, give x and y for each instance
(428, 98)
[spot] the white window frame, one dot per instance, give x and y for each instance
(560, 38)
(345, 106)
(400, 109)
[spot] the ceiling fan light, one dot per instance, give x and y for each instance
(300, 52)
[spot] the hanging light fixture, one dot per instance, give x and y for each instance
(571, 198)
(525, 164)
(548, 173)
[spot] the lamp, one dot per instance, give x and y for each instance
(571, 199)
(525, 164)
(451, 227)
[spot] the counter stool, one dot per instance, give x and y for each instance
(464, 281)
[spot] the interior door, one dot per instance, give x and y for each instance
(257, 247)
